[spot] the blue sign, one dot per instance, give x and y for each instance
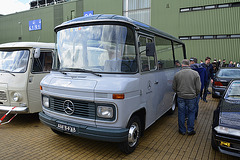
(88, 13)
(35, 25)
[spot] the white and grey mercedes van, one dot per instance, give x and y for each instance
(111, 80)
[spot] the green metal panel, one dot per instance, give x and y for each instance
(220, 48)
(165, 16)
(104, 6)
(210, 22)
(17, 25)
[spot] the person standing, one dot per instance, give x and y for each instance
(231, 64)
(209, 68)
(203, 78)
(187, 85)
(223, 64)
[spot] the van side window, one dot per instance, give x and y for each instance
(43, 63)
(178, 53)
(147, 62)
(164, 53)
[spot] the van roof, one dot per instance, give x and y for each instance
(98, 18)
(27, 45)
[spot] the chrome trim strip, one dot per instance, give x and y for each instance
(15, 110)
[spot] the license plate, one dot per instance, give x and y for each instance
(66, 128)
(226, 144)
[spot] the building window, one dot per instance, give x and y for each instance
(221, 36)
(197, 8)
(215, 6)
(139, 10)
(184, 9)
(184, 38)
(210, 7)
(227, 36)
(223, 5)
(208, 37)
(235, 36)
(196, 37)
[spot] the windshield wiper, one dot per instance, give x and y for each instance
(7, 72)
(79, 70)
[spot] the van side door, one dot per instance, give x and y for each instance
(165, 74)
(40, 67)
(147, 79)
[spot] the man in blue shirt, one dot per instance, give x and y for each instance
(203, 78)
(209, 69)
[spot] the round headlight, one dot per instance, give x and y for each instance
(17, 97)
(45, 101)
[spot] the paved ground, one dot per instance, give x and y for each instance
(26, 138)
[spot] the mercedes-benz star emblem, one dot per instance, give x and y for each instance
(68, 107)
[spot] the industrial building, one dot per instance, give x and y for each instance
(207, 27)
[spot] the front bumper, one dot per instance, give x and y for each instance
(233, 149)
(102, 134)
(15, 110)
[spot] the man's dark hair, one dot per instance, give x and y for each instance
(207, 58)
(193, 59)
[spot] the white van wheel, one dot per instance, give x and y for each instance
(134, 133)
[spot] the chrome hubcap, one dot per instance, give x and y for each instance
(173, 106)
(133, 134)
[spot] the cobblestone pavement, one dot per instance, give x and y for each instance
(27, 138)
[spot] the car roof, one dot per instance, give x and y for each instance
(98, 18)
(27, 45)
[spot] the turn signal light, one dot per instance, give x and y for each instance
(218, 84)
(118, 96)
(40, 87)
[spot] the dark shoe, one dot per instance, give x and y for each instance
(205, 100)
(182, 133)
(191, 133)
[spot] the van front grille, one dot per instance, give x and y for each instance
(82, 109)
(3, 96)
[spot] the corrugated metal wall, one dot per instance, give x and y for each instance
(222, 21)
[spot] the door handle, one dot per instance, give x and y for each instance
(156, 82)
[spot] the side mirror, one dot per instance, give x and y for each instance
(150, 49)
(37, 53)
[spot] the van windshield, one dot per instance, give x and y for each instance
(14, 60)
(97, 48)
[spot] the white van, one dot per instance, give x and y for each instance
(22, 67)
(112, 80)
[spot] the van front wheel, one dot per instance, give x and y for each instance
(134, 133)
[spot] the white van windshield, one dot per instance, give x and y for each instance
(14, 60)
(98, 48)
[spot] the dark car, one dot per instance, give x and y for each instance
(221, 80)
(226, 121)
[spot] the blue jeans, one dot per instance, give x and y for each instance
(189, 106)
(206, 89)
(197, 105)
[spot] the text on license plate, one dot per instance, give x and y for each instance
(66, 128)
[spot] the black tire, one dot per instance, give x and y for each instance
(58, 132)
(214, 145)
(173, 108)
(134, 126)
(214, 95)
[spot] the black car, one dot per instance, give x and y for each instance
(226, 121)
(222, 78)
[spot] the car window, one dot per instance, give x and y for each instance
(233, 91)
(229, 73)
